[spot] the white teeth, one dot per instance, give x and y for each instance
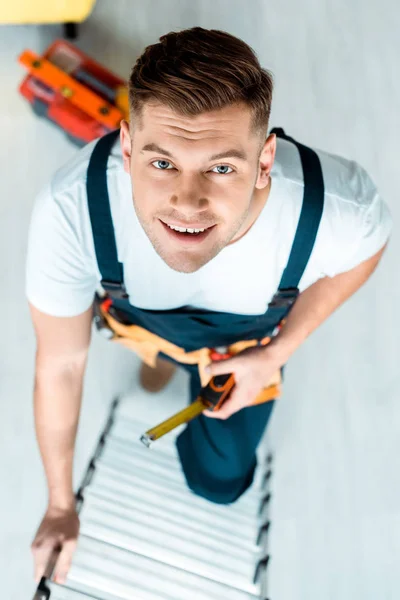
(185, 230)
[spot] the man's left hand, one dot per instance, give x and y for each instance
(253, 370)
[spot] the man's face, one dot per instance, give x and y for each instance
(203, 174)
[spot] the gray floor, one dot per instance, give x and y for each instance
(335, 434)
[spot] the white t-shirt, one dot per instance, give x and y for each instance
(62, 274)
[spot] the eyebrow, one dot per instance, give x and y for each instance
(231, 153)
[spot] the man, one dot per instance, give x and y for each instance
(223, 215)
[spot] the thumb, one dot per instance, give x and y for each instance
(64, 561)
(221, 367)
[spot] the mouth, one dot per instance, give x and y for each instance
(187, 235)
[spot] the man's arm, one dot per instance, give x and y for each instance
(316, 304)
(62, 348)
(61, 355)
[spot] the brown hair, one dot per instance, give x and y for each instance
(198, 70)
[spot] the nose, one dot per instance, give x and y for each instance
(189, 197)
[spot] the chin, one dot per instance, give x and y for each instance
(184, 263)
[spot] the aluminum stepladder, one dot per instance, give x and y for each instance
(145, 536)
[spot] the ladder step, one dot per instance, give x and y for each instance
(174, 496)
(101, 567)
(61, 592)
(177, 516)
(178, 505)
(169, 463)
(172, 477)
(152, 522)
(112, 527)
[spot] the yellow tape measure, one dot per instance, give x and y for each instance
(185, 415)
(211, 397)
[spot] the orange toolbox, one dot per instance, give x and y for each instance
(74, 91)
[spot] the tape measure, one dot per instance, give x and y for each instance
(212, 397)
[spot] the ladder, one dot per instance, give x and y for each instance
(145, 536)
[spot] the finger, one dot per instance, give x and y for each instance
(41, 555)
(210, 414)
(64, 561)
(229, 407)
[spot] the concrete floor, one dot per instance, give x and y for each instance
(335, 434)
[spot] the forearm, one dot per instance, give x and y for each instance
(57, 402)
(315, 304)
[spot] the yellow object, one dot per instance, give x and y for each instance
(194, 410)
(183, 416)
(45, 11)
(148, 345)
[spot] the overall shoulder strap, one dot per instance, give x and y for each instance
(307, 229)
(101, 219)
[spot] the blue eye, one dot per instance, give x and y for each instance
(164, 164)
(223, 167)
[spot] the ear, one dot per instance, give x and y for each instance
(266, 161)
(126, 145)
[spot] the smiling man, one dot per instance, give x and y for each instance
(206, 230)
(190, 204)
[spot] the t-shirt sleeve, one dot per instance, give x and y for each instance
(375, 229)
(368, 228)
(59, 279)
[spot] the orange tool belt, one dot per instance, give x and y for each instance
(148, 345)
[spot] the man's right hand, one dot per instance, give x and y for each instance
(58, 531)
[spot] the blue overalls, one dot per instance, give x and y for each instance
(218, 457)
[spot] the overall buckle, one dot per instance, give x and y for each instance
(284, 298)
(116, 290)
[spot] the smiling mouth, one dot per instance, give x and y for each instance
(187, 234)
